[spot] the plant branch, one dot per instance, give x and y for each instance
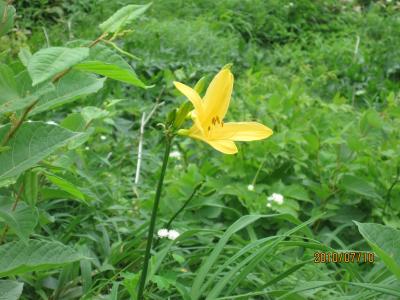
(100, 38)
(168, 225)
(14, 128)
(143, 124)
(140, 148)
(142, 283)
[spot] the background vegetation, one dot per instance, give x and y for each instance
(324, 75)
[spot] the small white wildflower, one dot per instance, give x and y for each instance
(51, 122)
(173, 234)
(278, 198)
(269, 204)
(250, 187)
(103, 137)
(175, 154)
(162, 233)
(87, 148)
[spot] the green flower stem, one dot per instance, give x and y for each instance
(142, 283)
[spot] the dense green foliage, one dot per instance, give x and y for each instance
(324, 75)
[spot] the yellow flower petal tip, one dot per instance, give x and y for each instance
(209, 112)
(227, 66)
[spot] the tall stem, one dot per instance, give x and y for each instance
(150, 234)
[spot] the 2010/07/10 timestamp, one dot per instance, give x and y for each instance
(344, 257)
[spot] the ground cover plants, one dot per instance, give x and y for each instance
(97, 96)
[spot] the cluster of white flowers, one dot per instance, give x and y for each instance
(175, 154)
(165, 233)
(250, 187)
(275, 197)
(103, 137)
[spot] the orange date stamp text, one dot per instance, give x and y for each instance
(344, 257)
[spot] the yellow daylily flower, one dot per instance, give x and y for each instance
(209, 112)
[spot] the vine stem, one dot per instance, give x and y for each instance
(142, 283)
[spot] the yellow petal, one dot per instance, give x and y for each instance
(192, 95)
(218, 96)
(241, 131)
(224, 146)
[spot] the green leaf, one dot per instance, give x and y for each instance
(66, 186)
(10, 290)
(74, 122)
(123, 17)
(48, 62)
(6, 17)
(18, 96)
(359, 186)
(69, 88)
(385, 241)
(22, 220)
(24, 55)
(111, 71)
(32, 142)
(8, 85)
(18, 257)
(90, 113)
(107, 55)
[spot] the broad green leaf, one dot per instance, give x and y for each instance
(8, 85)
(385, 241)
(18, 90)
(74, 122)
(68, 89)
(7, 14)
(107, 55)
(10, 290)
(18, 257)
(111, 71)
(359, 186)
(32, 142)
(123, 17)
(22, 221)
(48, 62)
